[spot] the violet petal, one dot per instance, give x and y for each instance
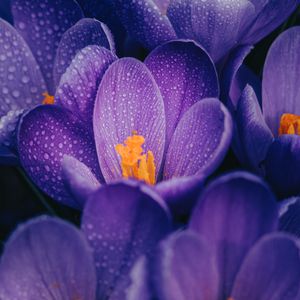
(42, 23)
(232, 214)
(185, 74)
(193, 151)
(122, 221)
(41, 261)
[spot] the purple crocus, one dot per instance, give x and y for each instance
(35, 53)
(267, 139)
(230, 250)
(169, 103)
(217, 25)
(48, 258)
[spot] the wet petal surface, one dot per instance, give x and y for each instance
(200, 141)
(42, 23)
(122, 221)
(21, 81)
(84, 33)
(185, 74)
(78, 86)
(216, 25)
(46, 134)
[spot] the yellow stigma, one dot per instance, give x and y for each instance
(48, 99)
(135, 163)
(289, 124)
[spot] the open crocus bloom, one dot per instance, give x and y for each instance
(140, 113)
(35, 53)
(216, 25)
(268, 140)
(51, 259)
(230, 250)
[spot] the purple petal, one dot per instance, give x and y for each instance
(84, 33)
(8, 128)
(230, 88)
(139, 287)
(181, 193)
(283, 165)
(128, 99)
(41, 261)
(162, 5)
(78, 179)
(182, 268)
(145, 22)
(271, 270)
(281, 80)
(78, 86)
(214, 24)
(42, 24)
(186, 269)
(254, 134)
(21, 82)
(289, 213)
(232, 214)
(185, 74)
(193, 151)
(46, 134)
(271, 16)
(122, 221)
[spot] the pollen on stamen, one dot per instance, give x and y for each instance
(289, 124)
(134, 162)
(48, 99)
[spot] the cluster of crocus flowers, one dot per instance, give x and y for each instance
(267, 139)
(102, 101)
(232, 248)
(33, 56)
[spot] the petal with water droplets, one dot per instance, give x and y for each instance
(200, 140)
(42, 23)
(122, 221)
(78, 86)
(184, 74)
(145, 22)
(216, 25)
(46, 134)
(84, 33)
(21, 81)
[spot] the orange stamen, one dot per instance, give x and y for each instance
(48, 99)
(135, 163)
(289, 124)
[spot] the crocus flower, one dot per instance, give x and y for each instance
(267, 139)
(150, 122)
(216, 25)
(48, 258)
(230, 250)
(35, 54)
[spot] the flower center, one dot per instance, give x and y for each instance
(134, 162)
(289, 124)
(48, 99)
